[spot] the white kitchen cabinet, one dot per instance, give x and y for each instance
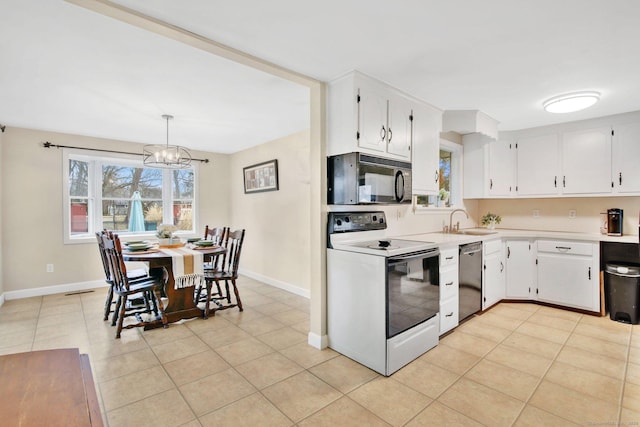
(501, 168)
(399, 126)
(368, 116)
(449, 290)
(568, 274)
(520, 264)
(586, 161)
(493, 277)
(489, 167)
(425, 161)
(538, 165)
(626, 152)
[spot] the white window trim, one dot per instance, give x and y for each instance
(95, 195)
(455, 179)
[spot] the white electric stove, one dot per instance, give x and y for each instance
(382, 293)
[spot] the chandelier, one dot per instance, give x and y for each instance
(166, 156)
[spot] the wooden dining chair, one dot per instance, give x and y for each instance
(227, 273)
(136, 274)
(218, 235)
(124, 288)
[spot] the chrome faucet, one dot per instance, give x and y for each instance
(451, 219)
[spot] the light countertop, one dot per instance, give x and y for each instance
(445, 240)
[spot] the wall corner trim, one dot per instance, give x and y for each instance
(318, 341)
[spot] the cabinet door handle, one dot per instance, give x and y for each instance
(449, 257)
(390, 134)
(589, 274)
(508, 252)
(555, 181)
(490, 184)
(448, 284)
(383, 133)
(501, 267)
(563, 248)
(620, 178)
(437, 176)
(449, 315)
(564, 181)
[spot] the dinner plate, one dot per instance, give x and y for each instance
(139, 247)
(204, 243)
(135, 242)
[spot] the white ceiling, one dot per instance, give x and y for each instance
(68, 69)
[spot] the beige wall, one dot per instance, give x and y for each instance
(32, 223)
(554, 213)
(277, 223)
(1, 233)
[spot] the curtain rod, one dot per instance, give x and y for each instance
(50, 145)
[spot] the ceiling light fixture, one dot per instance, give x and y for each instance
(571, 102)
(166, 156)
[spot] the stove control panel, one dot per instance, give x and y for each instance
(345, 222)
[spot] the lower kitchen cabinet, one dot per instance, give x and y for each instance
(520, 264)
(449, 303)
(568, 274)
(493, 280)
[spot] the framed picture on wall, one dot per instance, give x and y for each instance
(261, 177)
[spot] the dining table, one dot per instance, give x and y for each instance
(181, 303)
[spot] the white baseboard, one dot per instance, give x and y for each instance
(276, 283)
(56, 289)
(318, 341)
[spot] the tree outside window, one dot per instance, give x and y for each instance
(112, 184)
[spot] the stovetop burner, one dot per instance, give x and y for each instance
(383, 244)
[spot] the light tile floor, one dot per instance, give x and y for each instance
(516, 365)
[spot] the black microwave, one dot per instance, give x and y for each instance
(358, 178)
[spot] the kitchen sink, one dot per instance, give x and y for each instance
(473, 232)
(476, 232)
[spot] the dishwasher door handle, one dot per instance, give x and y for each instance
(471, 252)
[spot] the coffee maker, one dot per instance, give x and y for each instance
(614, 222)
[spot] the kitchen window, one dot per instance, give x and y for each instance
(101, 191)
(450, 167)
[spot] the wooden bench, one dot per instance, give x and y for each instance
(48, 388)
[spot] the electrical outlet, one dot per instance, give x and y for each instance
(536, 213)
(572, 213)
(49, 268)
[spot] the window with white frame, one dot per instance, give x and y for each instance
(450, 179)
(100, 194)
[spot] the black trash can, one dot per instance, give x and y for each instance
(623, 284)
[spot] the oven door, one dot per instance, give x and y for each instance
(413, 294)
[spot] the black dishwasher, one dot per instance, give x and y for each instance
(470, 279)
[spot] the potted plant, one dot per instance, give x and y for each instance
(490, 220)
(164, 233)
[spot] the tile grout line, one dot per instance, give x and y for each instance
(542, 377)
(467, 371)
(624, 378)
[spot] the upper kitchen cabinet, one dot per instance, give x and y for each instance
(368, 116)
(586, 161)
(538, 165)
(626, 152)
(564, 163)
(489, 167)
(427, 122)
